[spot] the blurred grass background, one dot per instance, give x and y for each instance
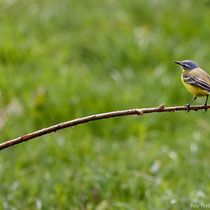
(61, 60)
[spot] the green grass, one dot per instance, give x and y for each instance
(61, 60)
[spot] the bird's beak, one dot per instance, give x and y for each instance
(177, 62)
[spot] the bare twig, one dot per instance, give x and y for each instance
(78, 121)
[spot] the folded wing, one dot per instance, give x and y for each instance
(198, 82)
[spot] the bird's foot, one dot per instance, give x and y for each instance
(206, 108)
(188, 106)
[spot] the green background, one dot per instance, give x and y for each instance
(60, 60)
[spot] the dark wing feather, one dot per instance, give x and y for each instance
(198, 82)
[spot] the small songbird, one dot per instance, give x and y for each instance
(195, 80)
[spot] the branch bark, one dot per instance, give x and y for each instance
(82, 120)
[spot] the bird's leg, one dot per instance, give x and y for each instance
(206, 107)
(188, 105)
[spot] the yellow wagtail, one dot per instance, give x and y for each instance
(195, 80)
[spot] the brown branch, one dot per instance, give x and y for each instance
(78, 121)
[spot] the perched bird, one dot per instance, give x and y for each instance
(195, 80)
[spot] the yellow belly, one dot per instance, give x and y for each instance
(198, 92)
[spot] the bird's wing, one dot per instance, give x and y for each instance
(198, 82)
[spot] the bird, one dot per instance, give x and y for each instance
(195, 80)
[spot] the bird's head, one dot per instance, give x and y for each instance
(187, 64)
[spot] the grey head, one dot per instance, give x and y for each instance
(187, 64)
